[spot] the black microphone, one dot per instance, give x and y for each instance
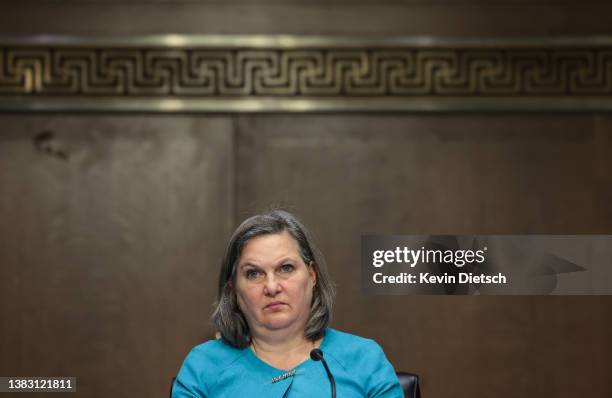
(317, 355)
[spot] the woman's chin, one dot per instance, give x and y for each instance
(279, 322)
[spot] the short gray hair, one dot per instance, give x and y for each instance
(227, 317)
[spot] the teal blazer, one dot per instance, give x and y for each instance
(359, 366)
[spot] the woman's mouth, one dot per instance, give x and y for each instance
(275, 305)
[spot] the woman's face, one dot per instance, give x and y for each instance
(273, 284)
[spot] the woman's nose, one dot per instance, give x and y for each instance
(272, 285)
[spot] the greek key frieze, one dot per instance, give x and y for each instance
(54, 72)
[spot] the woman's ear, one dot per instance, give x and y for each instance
(229, 286)
(313, 273)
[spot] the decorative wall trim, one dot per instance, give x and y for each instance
(174, 73)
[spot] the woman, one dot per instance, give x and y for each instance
(273, 308)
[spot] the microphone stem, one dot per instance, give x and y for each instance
(331, 379)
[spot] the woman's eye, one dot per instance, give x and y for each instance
(286, 268)
(252, 274)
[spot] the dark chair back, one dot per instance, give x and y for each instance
(410, 384)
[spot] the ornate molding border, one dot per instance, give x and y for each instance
(175, 73)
